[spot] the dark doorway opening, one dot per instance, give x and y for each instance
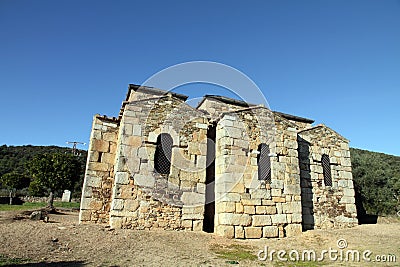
(209, 209)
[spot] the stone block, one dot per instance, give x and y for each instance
(277, 184)
(249, 209)
(270, 231)
(251, 202)
(279, 199)
(96, 205)
(100, 145)
(262, 220)
(344, 219)
(239, 208)
(261, 210)
(225, 207)
(193, 198)
(239, 232)
(234, 197)
(234, 219)
(85, 203)
(99, 166)
(122, 178)
(292, 190)
(187, 224)
(198, 225)
(296, 218)
(137, 130)
(293, 230)
(275, 192)
(144, 180)
(116, 222)
(261, 194)
(85, 215)
(132, 141)
(193, 209)
(253, 232)
(347, 200)
(131, 205)
(343, 183)
(348, 192)
(93, 181)
(351, 208)
(192, 216)
(278, 218)
(110, 137)
(225, 231)
(117, 204)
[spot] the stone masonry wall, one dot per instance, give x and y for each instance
(245, 207)
(215, 108)
(99, 175)
(326, 206)
(143, 198)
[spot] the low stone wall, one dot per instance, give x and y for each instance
(31, 199)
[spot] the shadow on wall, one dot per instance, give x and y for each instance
(363, 217)
(306, 185)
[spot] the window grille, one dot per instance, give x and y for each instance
(326, 167)
(264, 163)
(162, 156)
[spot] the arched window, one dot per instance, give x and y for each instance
(162, 156)
(264, 163)
(326, 167)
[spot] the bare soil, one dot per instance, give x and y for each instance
(63, 242)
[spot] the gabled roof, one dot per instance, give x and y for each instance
(226, 100)
(153, 91)
(312, 129)
(293, 117)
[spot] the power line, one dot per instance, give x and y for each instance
(74, 149)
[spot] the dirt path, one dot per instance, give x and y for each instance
(63, 242)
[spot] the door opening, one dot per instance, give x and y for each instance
(209, 209)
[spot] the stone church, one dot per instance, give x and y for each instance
(236, 169)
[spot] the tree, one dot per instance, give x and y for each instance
(54, 172)
(13, 181)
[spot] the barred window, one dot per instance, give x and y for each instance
(326, 167)
(264, 163)
(162, 156)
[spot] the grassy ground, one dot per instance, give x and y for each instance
(6, 261)
(37, 205)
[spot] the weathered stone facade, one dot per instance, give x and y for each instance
(239, 170)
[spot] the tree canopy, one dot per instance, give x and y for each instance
(55, 171)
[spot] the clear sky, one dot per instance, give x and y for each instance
(337, 62)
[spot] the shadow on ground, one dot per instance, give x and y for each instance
(49, 264)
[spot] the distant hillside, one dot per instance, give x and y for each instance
(14, 158)
(377, 181)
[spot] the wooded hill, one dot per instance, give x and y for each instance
(376, 175)
(14, 159)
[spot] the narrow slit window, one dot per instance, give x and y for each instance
(264, 163)
(162, 156)
(326, 168)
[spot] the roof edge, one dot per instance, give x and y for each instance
(154, 91)
(294, 118)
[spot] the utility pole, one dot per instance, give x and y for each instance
(74, 144)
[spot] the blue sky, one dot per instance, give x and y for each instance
(337, 62)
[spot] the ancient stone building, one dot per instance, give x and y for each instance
(229, 167)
